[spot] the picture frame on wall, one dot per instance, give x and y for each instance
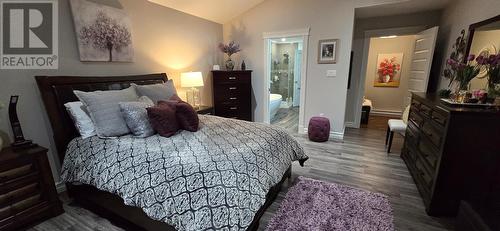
(327, 51)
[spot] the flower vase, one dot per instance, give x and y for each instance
(229, 64)
(386, 78)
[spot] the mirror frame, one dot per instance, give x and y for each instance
(472, 29)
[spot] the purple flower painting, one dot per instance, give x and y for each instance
(103, 33)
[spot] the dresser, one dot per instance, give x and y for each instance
(446, 148)
(27, 191)
(233, 94)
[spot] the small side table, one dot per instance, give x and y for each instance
(205, 110)
(27, 190)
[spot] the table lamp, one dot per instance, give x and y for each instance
(192, 80)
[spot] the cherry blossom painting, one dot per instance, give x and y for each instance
(103, 33)
(388, 70)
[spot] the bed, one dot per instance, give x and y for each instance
(251, 157)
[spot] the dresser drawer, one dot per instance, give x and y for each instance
(433, 134)
(232, 78)
(15, 172)
(429, 154)
(19, 194)
(416, 119)
(439, 118)
(425, 110)
(230, 93)
(425, 177)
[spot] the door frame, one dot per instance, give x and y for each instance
(267, 36)
(360, 91)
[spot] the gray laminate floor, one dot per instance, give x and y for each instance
(360, 160)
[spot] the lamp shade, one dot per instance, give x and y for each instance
(191, 79)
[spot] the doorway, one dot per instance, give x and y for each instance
(285, 74)
(413, 49)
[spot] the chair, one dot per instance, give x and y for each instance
(395, 125)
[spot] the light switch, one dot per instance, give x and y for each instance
(331, 73)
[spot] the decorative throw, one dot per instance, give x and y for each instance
(317, 205)
(163, 119)
(187, 117)
(136, 116)
(213, 179)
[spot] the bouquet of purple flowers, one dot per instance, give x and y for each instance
(230, 48)
(492, 64)
(463, 73)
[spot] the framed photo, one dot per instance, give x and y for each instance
(327, 51)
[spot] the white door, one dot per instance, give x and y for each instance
(421, 60)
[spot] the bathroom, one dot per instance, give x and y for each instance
(286, 62)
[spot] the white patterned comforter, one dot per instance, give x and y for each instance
(213, 179)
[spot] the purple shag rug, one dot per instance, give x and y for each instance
(317, 205)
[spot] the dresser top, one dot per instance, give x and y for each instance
(9, 153)
(435, 100)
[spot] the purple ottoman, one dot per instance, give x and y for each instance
(319, 129)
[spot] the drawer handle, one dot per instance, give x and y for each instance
(233, 88)
(233, 98)
(232, 78)
(233, 108)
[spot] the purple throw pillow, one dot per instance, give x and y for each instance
(187, 117)
(163, 119)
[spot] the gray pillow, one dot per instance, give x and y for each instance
(81, 118)
(157, 92)
(136, 116)
(105, 112)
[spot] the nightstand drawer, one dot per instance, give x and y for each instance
(19, 194)
(16, 172)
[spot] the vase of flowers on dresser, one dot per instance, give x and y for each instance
(229, 49)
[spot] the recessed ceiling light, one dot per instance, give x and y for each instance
(390, 36)
(283, 39)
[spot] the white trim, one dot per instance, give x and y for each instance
(60, 187)
(386, 112)
(267, 36)
(286, 33)
(349, 125)
(333, 135)
(366, 48)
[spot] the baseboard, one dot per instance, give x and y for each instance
(350, 124)
(333, 135)
(393, 113)
(60, 187)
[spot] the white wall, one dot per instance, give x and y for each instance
(417, 20)
(457, 16)
(388, 99)
(165, 40)
(327, 19)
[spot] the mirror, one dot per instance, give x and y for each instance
(484, 39)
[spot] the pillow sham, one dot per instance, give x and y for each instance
(105, 112)
(156, 92)
(136, 116)
(81, 119)
(163, 119)
(186, 116)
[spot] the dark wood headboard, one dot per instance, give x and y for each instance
(58, 90)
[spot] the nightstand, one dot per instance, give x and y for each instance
(27, 190)
(205, 110)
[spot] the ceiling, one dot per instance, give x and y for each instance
(401, 7)
(220, 11)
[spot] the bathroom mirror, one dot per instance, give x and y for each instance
(484, 39)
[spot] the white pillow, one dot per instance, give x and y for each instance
(81, 118)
